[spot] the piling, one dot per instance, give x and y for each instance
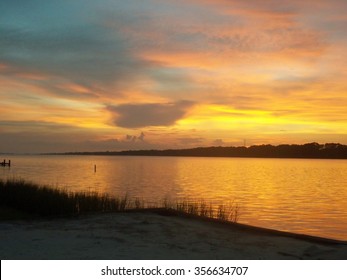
(4, 163)
(94, 168)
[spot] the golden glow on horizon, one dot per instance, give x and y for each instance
(212, 70)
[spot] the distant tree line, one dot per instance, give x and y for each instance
(309, 150)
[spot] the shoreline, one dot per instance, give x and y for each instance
(249, 228)
(157, 234)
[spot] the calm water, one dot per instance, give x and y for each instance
(306, 196)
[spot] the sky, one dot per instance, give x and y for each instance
(83, 75)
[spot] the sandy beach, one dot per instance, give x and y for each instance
(153, 235)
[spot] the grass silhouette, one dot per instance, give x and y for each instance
(34, 200)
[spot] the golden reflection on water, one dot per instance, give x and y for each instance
(306, 196)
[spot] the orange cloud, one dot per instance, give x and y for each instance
(265, 68)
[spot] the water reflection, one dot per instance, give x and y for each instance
(305, 196)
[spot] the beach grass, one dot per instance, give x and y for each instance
(202, 208)
(46, 201)
(23, 199)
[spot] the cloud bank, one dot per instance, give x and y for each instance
(145, 115)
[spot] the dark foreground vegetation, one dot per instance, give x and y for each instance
(22, 199)
(309, 150)
(45, 201)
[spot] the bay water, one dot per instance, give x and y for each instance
(298, 195)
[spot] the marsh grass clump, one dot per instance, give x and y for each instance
(44, 201)
(229, 212)
(33, 199)
(137, 203)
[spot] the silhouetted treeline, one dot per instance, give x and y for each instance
(309, 150)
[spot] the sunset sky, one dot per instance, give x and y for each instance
(83, 75)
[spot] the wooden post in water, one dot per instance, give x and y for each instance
(94, 168)
(4, 163)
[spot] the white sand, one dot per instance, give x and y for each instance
(151, 236)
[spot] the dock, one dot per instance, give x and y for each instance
(4, 163)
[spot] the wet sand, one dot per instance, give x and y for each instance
(155, 235)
